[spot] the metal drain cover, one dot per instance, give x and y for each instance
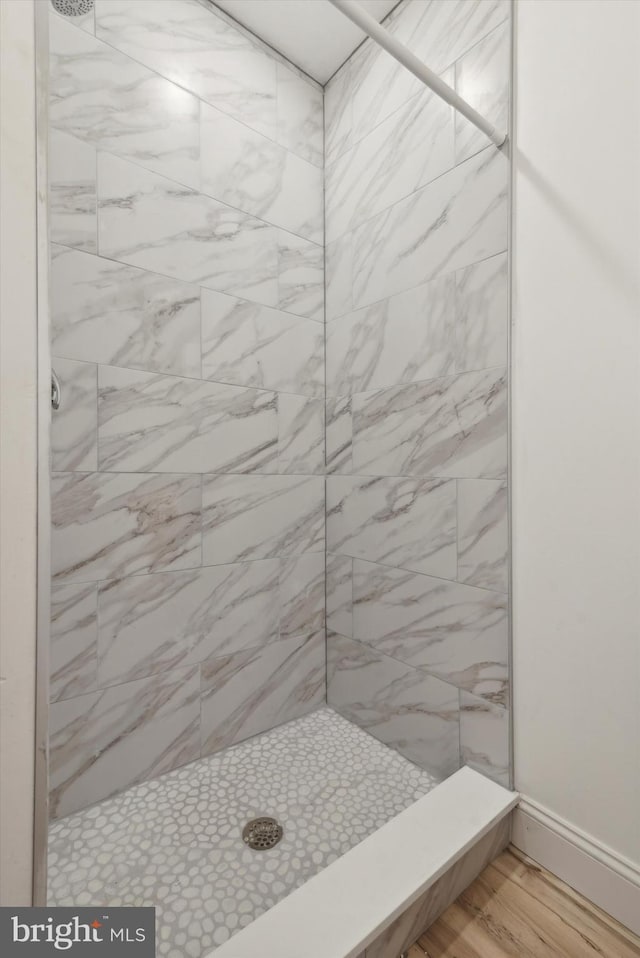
(262, 833)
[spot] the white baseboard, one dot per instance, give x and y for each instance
(607, 879)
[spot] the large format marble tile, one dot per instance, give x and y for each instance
(482, 314)
(74, 426)
(338, 123)
(259, 517)
(74, 640)
(251, 345)
(252, 173)
(154, 423)
(482, 79)
(484, 738)
(300, 276)
(338, 276)
(300, 115)
(118, 315)
(302, 594)
(455, 427)
(186, 42)
(252, 691)
(300, 434)
(406, 338)
(72, 195)
(409, 523)
(110, 101)
(483, 534)
(339, 589)
(105, 741)
(403, 707)
(455, 632)
(457, 220)
(154, 623)
(149, 221)
(110, 524)
(402, 154)
(339, 434)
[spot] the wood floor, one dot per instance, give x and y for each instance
(515, 909)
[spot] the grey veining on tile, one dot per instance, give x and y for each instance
(484, 737)
(406, 338)
(455, 426)
(251, 345)
(457, 220)
(403, 707)
(74, 640)
(250, 172)
(154, 623)
(300, 434)
(338, 123)
(406, 523)
(105, 98)
(155, 423)
(259, 517)
(481, 326)
(482, 79)
(72, 192)
(110, 524)
(455, 632)
(251, 691)
(483, 533)
(109, 313)
(338, 276)
(149, 221)
(340, 594)
(105, 741)
(302, 594)
(339, 434)
(300, 116)
(300, 276)
(74, 440)
(186, 42)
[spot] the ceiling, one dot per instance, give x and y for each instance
(311, 33)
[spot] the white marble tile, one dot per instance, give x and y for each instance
(406, 338)
(74, 426)
(482, 314)
(252, 173)
(111, 102)
(118, 315)
(484, 738)
(149, 221)
(483, 534)
(339, 589)
(259, 517)
(407, 523)
(339, 435)
(403, 707)
(450, 427)
(300, 276)
(457, 220)
(249, 692)
(247, 344)
(300, 435)
(379, 86)
(338, 276)
(74, 640)
(186, 42)
(155, 423)
(302, 594)
(108, 524)
(455, 632)
(72, 192)
(338, 121)
(482, 79)
(300, 116)
(105, 741)
(405, 152)
(154, 623)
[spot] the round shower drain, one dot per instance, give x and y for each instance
(73, 8)
(262, 833)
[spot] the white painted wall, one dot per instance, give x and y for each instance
(576, 398)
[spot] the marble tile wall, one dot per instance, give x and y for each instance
(187, 229)
(416, 392)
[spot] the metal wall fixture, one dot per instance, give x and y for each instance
(72, 8)
(364, 20)
(56, 391)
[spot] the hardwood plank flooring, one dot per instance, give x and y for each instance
(516, 909)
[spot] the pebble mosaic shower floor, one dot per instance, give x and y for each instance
(176, 842)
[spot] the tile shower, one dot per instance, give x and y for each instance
(232, 448)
